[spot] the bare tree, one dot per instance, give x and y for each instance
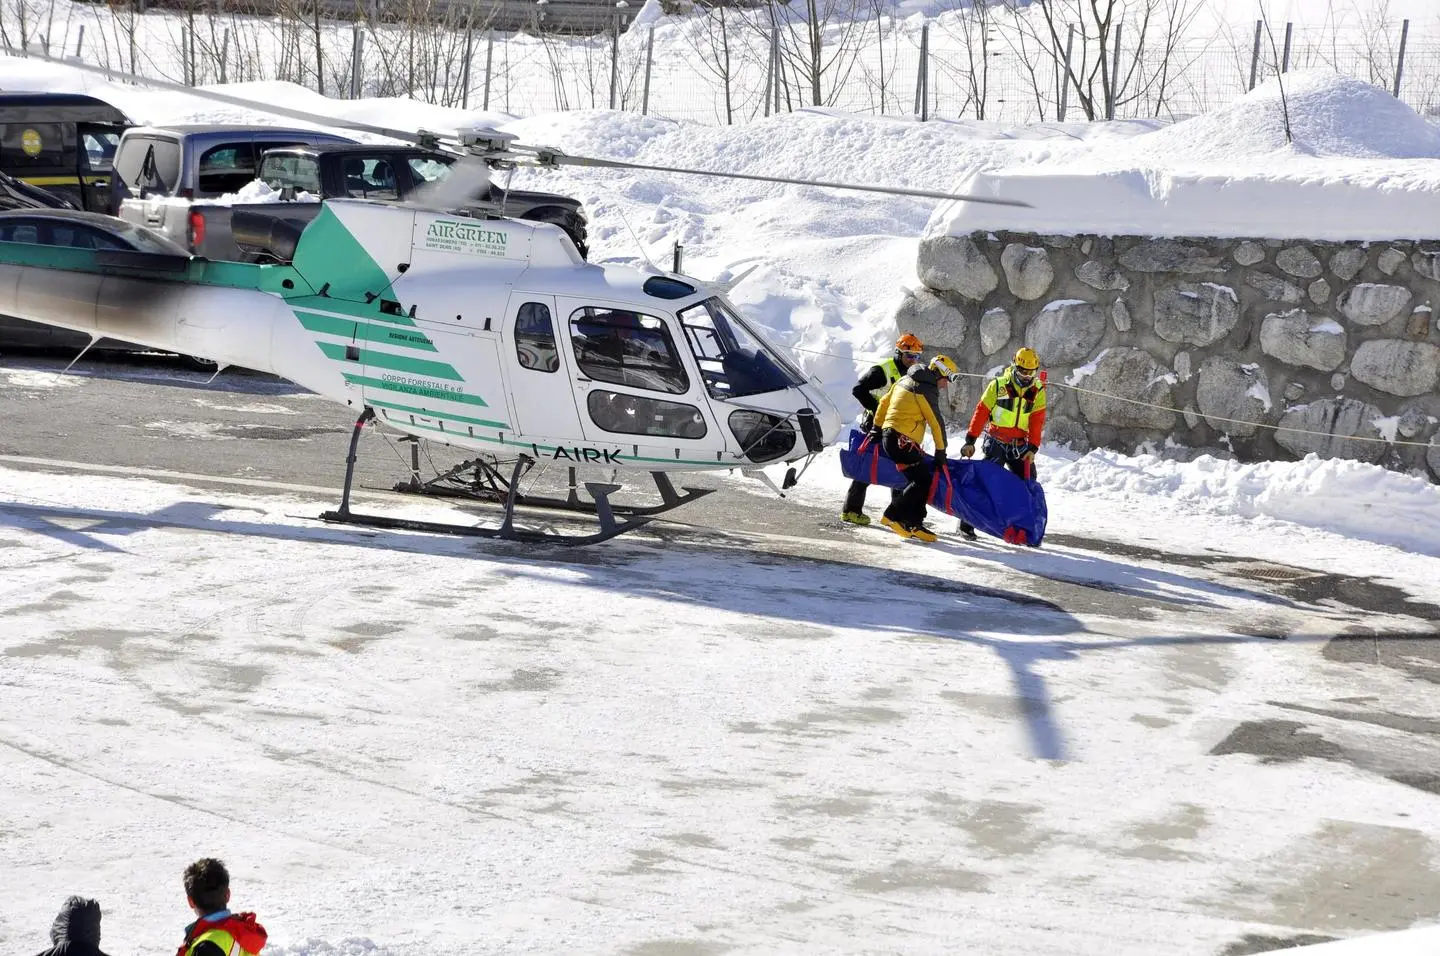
(820, 41)
(1150, 30)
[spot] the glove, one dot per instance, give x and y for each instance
(968, 448)
(1028, 452)
(939, 458)
(867, 423)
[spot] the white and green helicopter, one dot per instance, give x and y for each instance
(491, 335)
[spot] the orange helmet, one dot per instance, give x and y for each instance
(909, 343)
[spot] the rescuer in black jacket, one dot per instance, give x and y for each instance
(872, 387)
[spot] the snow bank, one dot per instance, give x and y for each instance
(256, 191)
(1346, 497)
(1361, 168)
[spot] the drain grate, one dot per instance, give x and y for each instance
(1265, 571)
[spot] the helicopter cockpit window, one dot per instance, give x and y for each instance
(535, 338)
(639, 415)
(734, 362)
(627, 348)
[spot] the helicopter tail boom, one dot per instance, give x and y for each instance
(229, 326)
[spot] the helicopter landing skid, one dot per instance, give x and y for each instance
(479, 479)
(613, 519)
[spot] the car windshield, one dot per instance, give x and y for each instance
(734, 359)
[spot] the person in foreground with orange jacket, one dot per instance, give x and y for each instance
(904, 414)
(1011, 415)
(217, 932)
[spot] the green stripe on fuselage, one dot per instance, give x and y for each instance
(395, 363)
(405, 388)
(522, 445)
(443, 416)
(358, 329)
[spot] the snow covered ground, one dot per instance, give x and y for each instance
(403, 744)
(756, 743)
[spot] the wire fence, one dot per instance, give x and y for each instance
(734, 70)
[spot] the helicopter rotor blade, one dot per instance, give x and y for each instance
(302, 115)
(551, 157)
(498, 149)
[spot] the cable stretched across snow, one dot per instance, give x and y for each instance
(1181, 411)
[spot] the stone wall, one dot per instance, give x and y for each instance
(1331, 338)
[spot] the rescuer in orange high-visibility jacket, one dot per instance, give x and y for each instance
(1011, 415)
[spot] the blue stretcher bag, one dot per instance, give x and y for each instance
(981, 493)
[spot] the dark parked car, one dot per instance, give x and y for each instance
(18, 194)
(63, 143)
(76, 230)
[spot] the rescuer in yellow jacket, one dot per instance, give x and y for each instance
(873, 386)
(906, 412)
(1011, 415)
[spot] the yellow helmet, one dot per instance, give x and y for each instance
(944, 367)
(1026, 360)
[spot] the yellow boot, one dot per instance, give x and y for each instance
(895, 526)
(922, 533)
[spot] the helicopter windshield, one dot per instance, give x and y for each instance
(734, 361)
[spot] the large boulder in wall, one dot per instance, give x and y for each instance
(939, 324)
(1326, 427)
(956, 264)
(1065, 332)
(1231, 396)
(1124, 389)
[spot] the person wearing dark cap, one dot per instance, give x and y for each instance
(76, 931)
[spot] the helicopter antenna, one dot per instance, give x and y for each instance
(638, 244)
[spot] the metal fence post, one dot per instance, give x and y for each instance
(776, 66)
(649, 59)
(80, 42)
(357, 59)
(489, 60)
(1285, 63)
(1114, 75)
(1399, 62)
(615, 55)
(465, 69)
(922, 87)
(1065, 79)
(1255, 54)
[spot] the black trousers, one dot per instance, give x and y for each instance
(908, 508)
(1001, 453)
(855, 497)
(1011, 456)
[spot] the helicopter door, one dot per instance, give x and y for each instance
(541, 395)
(635, 388)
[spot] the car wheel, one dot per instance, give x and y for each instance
(199, 364)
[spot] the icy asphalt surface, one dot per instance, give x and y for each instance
(248, 432)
